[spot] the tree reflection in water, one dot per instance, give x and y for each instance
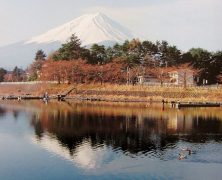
(132, 130)
(110, 140)
(2, 112)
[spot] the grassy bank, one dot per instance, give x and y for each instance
(110, 92)
(147, 93)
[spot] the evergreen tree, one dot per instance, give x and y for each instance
(149, 48)
(98, 53)
(186, 58)
(40, 55)
(215, 66)
(117, 51)
(17, 74)
(169, 55)
(202, 60)
(3, 72)
(71, 50)
(109, 54)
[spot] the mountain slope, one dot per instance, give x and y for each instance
(90, 28)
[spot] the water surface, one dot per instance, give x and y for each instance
(82, 140)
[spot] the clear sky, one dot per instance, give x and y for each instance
(185, 23)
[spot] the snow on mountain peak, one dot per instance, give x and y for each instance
(90, 29)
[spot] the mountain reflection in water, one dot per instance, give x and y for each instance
(93, 134)
(90, 128)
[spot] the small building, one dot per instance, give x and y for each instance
(148, 80)
(182, 77)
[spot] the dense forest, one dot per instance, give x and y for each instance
(120, 63)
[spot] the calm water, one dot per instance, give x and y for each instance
(73, 140)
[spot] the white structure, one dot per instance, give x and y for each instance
(182, 77)
(148, 80)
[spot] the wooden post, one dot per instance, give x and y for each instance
(163, 103)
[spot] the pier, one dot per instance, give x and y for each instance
(61, 96)
(179, 105)
(21, 97)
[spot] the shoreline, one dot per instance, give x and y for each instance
(93, 99)
(114, 93)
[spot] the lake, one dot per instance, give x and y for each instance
(99, 140)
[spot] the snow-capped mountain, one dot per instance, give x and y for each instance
(90, 29)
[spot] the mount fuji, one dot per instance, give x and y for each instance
(89, 28)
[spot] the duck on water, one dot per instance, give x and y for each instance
(183, 155)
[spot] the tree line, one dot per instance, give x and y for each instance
(122, 62)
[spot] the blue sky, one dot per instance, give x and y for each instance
(185, 23)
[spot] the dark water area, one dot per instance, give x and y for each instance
(83, 140)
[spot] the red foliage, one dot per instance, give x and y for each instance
(78, 71)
